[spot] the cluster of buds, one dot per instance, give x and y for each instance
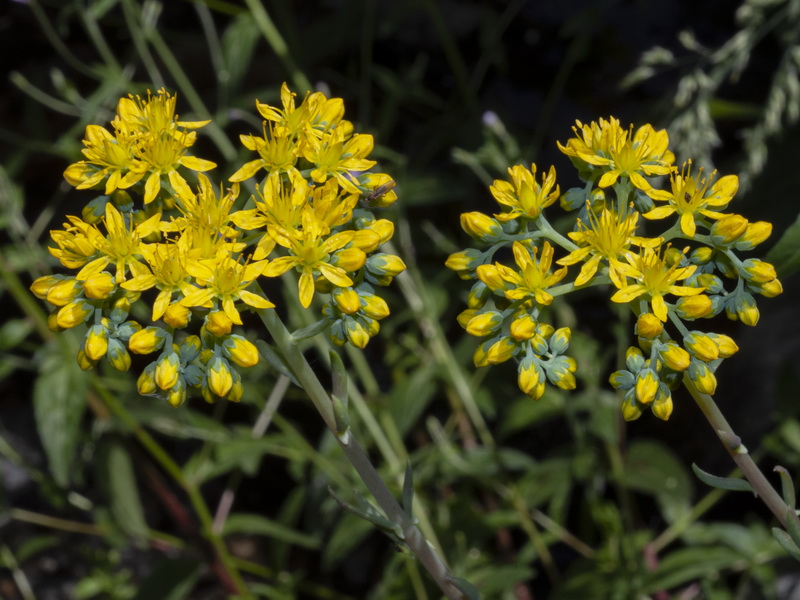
(690, 271)
(197, 259)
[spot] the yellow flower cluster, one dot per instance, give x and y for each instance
(197, 258)
(691, 271)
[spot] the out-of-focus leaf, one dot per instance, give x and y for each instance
(495, 579)
(171, 579)
(349, 533)
(59, 399)
(13, 332)
(34, 545)
(465, 587)
(785, 255)
(410, 396)
(126, 507)
(786, 542)
(652, 468)
(682, 566)
(546, 480)
(252, 524)
(238, 43)
(525, 413)
(185, 423)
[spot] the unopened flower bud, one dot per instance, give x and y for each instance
(42, 285)
(478, 295)
(177, 393)
(73, 314)
(649, 326)
(349, 259)
(746, 309)
(501, 351)
(727, 347)
(631, 409)
(219, 376)
(99, 285)
(728, 229)
(701, 346)
(561, 372)
(386, 264)
(701, 256)
(675, 357)
(529, 377)
(84, 362)
(218, 323)
(646, 385)
(694, 307)
(758, 271)
(177, 315)
(702, 377)
(375, 307)
(480, 226)
(770, 289)
(662, 405)
(147, 340)
(559, 341)
(118, 356)
(357, 334)
(95, 343)
(347, 299)
(167, 370)
(755, 234)
(484, 324)
(64, 291)
(634, 359)
(240, 351)
(146, 384)
(523, 327)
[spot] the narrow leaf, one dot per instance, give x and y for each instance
(308, 332)
(793, 526)
(126, 507)
(253, 524)
(339, 376)
(408, 491)
(59, 399)
(787, 486)
(276, 361)
(785, 540)
(466, 588)
(723, 483)
(785, 254)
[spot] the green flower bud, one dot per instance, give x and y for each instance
(622, 380)
(478, 295)
(560, 372)
(631, 409)
(118, 356)
(634, 359)
(84, 362)
(745, 309)
(559, 341)
(530, 377)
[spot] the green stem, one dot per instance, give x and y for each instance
(170, 466)
(739, 454)
(412, 536)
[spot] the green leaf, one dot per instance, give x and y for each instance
(308, 332)
(682, 566)
(172, 579)
(348, 534)
(276, 361)
(253, 524)
(651, 467)
(787, 486)
(59, 399)
(785, 254)
(408, 492)
(124, 502)
(13, 332)
(238, 44)
(410, 396)
(723, 483)
(466, 588)
(785, 540)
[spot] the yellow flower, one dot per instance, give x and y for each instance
(607, 238)
(278, 152)
(652, 277)
(310, 253)
(524, 195)
(531, 281)
(622, 153)
(121, 245)
(109, 157)
(691, 198)
(225, 280)
(335, 156)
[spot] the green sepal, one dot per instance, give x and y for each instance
(408, 492)
(722, 483)
(369, 513)
(307, 332)
(465, 587)
(276, 361)
(785, 540)
(787, 487)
